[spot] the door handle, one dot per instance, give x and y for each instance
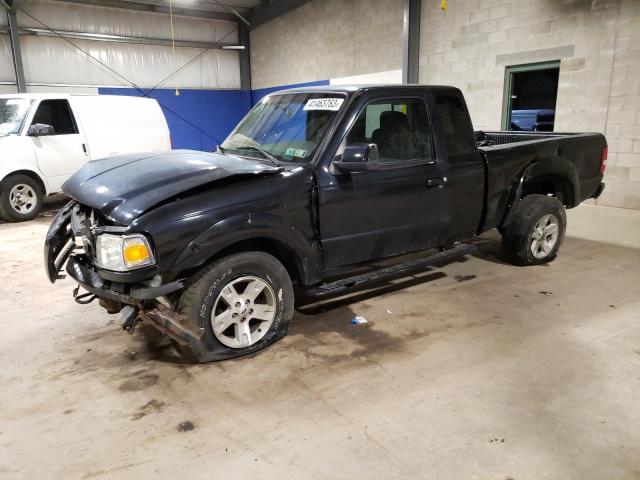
(84, 147)
(436, 182)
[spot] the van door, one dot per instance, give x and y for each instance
(62, 153)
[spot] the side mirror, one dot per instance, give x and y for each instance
(357, 158)
(40, 130)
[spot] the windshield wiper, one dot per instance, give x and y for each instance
(262, 151)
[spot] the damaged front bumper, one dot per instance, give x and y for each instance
(138, 297)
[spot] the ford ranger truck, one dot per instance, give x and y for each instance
(313, 188)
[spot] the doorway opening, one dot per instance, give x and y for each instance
(530, 97)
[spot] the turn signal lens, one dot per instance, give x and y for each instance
(136, 252)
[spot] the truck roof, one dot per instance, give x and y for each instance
(349, 89)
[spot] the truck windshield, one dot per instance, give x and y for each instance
(288, 127)
(13, 111)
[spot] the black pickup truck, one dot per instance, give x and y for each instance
(311, 189)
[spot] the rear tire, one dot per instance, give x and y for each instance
(535, 232)
(20, 198)
(247, 298)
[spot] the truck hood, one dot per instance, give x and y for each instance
(123, 187)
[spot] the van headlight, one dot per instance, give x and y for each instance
(123, 252)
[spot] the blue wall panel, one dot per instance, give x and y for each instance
(197, 119)
(201, 119)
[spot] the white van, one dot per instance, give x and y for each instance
(45, 138)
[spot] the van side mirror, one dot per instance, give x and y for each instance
(40, 130)
(357, 158)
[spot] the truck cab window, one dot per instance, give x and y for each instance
(56, 113)
(458, 134)
(288, 127)
(399, 128)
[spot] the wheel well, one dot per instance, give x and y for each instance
(555, 186)
(31, 175)
(280, 251)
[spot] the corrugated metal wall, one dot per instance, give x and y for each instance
(143, 65)
(6, 62)
(210, 101)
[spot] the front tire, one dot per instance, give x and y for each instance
(240, 304)
(535, 232)
(20, 198)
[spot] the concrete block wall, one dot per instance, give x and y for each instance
(469, 46)
(623, 119)
(327, 39)
(597, 43)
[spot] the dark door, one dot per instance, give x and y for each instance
(399, 208)
(466, 180)
(530, 96)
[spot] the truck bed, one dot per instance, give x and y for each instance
(566, 163)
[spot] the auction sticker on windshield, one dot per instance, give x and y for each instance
(331, 104)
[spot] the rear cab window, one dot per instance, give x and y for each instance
(457, 131)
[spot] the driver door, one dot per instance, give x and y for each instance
(61, 154)
(399, 207)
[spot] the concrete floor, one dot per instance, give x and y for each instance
(479, 370)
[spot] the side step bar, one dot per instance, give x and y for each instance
(398, 270)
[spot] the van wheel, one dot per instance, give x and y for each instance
(535, 232)
(20, 198)
(240, 304)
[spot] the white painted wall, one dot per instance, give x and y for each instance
(386, 77)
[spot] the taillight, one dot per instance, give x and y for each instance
(170, 142)
(603, 159)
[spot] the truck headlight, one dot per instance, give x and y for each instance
(123, 252)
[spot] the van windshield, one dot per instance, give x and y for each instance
(286, 127)
(13, 112)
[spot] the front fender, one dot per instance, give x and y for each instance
(262, 226)
(18, 156)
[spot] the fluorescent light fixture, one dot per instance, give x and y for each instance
(233, 47)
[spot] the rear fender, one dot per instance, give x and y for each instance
(561, 172)
(262, 226)
(556, 170)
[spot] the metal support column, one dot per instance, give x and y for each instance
(411, 41)
(245, 56)
(15, 49)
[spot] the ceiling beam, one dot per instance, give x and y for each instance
(411, 41)
(273, 9)
(15, 50)
(158, 6)
(101, 37)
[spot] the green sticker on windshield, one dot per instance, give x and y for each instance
(295, 152)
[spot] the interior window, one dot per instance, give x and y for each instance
(459, 138)
(56, 113)
(399, 128)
